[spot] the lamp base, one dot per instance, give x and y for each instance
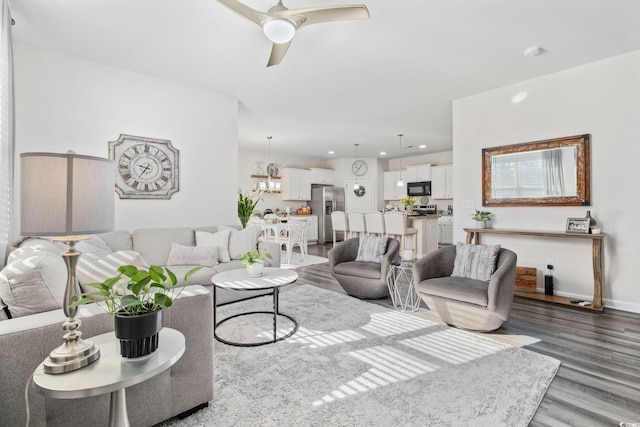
(71, 355)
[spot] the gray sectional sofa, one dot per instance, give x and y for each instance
(32, 287)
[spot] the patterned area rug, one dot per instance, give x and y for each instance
(352, 363)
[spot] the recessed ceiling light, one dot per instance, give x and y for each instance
(383, 153)
(533, 51)
(518, 97)
(331, 152)
(422, 146)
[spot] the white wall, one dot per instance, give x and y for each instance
(63, 102)
(602, 99)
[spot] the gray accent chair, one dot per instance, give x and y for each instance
(358, 278)
(466, 303)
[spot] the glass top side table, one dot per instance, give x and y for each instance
(401, 287)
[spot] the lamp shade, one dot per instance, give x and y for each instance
(66, 194)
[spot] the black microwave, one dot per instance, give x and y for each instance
(419, 188)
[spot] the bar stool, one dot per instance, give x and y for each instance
(356, 224)
(374, 223)
(339, 222)
(395, 224)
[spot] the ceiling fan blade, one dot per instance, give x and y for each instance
(245, 11)
(277, 53)
(316, 15)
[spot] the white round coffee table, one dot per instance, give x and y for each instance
(238, 280)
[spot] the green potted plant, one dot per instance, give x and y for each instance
(136, 298)
(408, 202)
(246, 207)
(481, 218)
(254, 262)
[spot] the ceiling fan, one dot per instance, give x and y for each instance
(280, 24)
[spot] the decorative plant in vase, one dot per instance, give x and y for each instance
(255, 262)
(408, 202)
(136, 298)
(246, 207)
(481, 218)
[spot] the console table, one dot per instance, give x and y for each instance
(473, 236)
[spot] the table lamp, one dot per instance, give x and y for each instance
(67, 195)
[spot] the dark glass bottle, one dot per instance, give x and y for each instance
(592, 221)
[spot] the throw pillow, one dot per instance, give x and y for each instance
(372, 248)
(219, 239)
(243, 241)
(475, 261)
(96, 266)
(193, 255)
(33, 282)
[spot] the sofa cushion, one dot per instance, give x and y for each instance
(96, 266)
(475, 261)
(34, 281)
(243, 241)
(219, 239)
(372, 248)
(154, 244)
(37, 244)
(456, 288)
(193, 255)
(117, 240)
(370, 270)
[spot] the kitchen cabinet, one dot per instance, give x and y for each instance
(442, 182)
(427, 236)
(323, 176)
(296, 184)
(419, 173)
(391, 189)
(312, 228)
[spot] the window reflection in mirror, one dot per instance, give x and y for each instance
(551, 172)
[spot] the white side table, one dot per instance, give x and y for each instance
(111, 374)
(401, 287)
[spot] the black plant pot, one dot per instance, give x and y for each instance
(138, 335)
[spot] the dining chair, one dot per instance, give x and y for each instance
(294, 234)
(374, 223)
(396, 225)
(356, 224)
(339, 222)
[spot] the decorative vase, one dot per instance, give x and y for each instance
(138, 334)
(255, 269)
(592, 221)
(481, 224)
(408, 209)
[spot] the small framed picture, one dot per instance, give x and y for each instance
(578, 225)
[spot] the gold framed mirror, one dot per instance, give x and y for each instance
(553, 172)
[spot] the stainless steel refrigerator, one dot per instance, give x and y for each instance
(324, 200)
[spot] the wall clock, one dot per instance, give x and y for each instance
(146, 168)
(359, 168)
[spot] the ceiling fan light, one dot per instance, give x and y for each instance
(279, 31)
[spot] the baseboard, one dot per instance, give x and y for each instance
(608, 303)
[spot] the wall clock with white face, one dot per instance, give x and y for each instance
(146, 168)
(359, 168)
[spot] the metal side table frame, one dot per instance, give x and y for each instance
(401, 287)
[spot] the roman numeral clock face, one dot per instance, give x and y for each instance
(145, 168)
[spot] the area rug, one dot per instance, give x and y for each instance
(353, 363)
(298, 261)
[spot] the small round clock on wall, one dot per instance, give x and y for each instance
(359, 168)
(146, 168)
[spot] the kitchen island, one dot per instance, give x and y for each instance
(427, 237)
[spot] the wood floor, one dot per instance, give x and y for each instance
(598, 383)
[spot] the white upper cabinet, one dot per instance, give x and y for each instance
(442, 182)
(419, 173)
(296, 184)
(391, 189)
(323, 176)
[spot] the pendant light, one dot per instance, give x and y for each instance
(271, 186)
(400, 181)
(356, 186)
